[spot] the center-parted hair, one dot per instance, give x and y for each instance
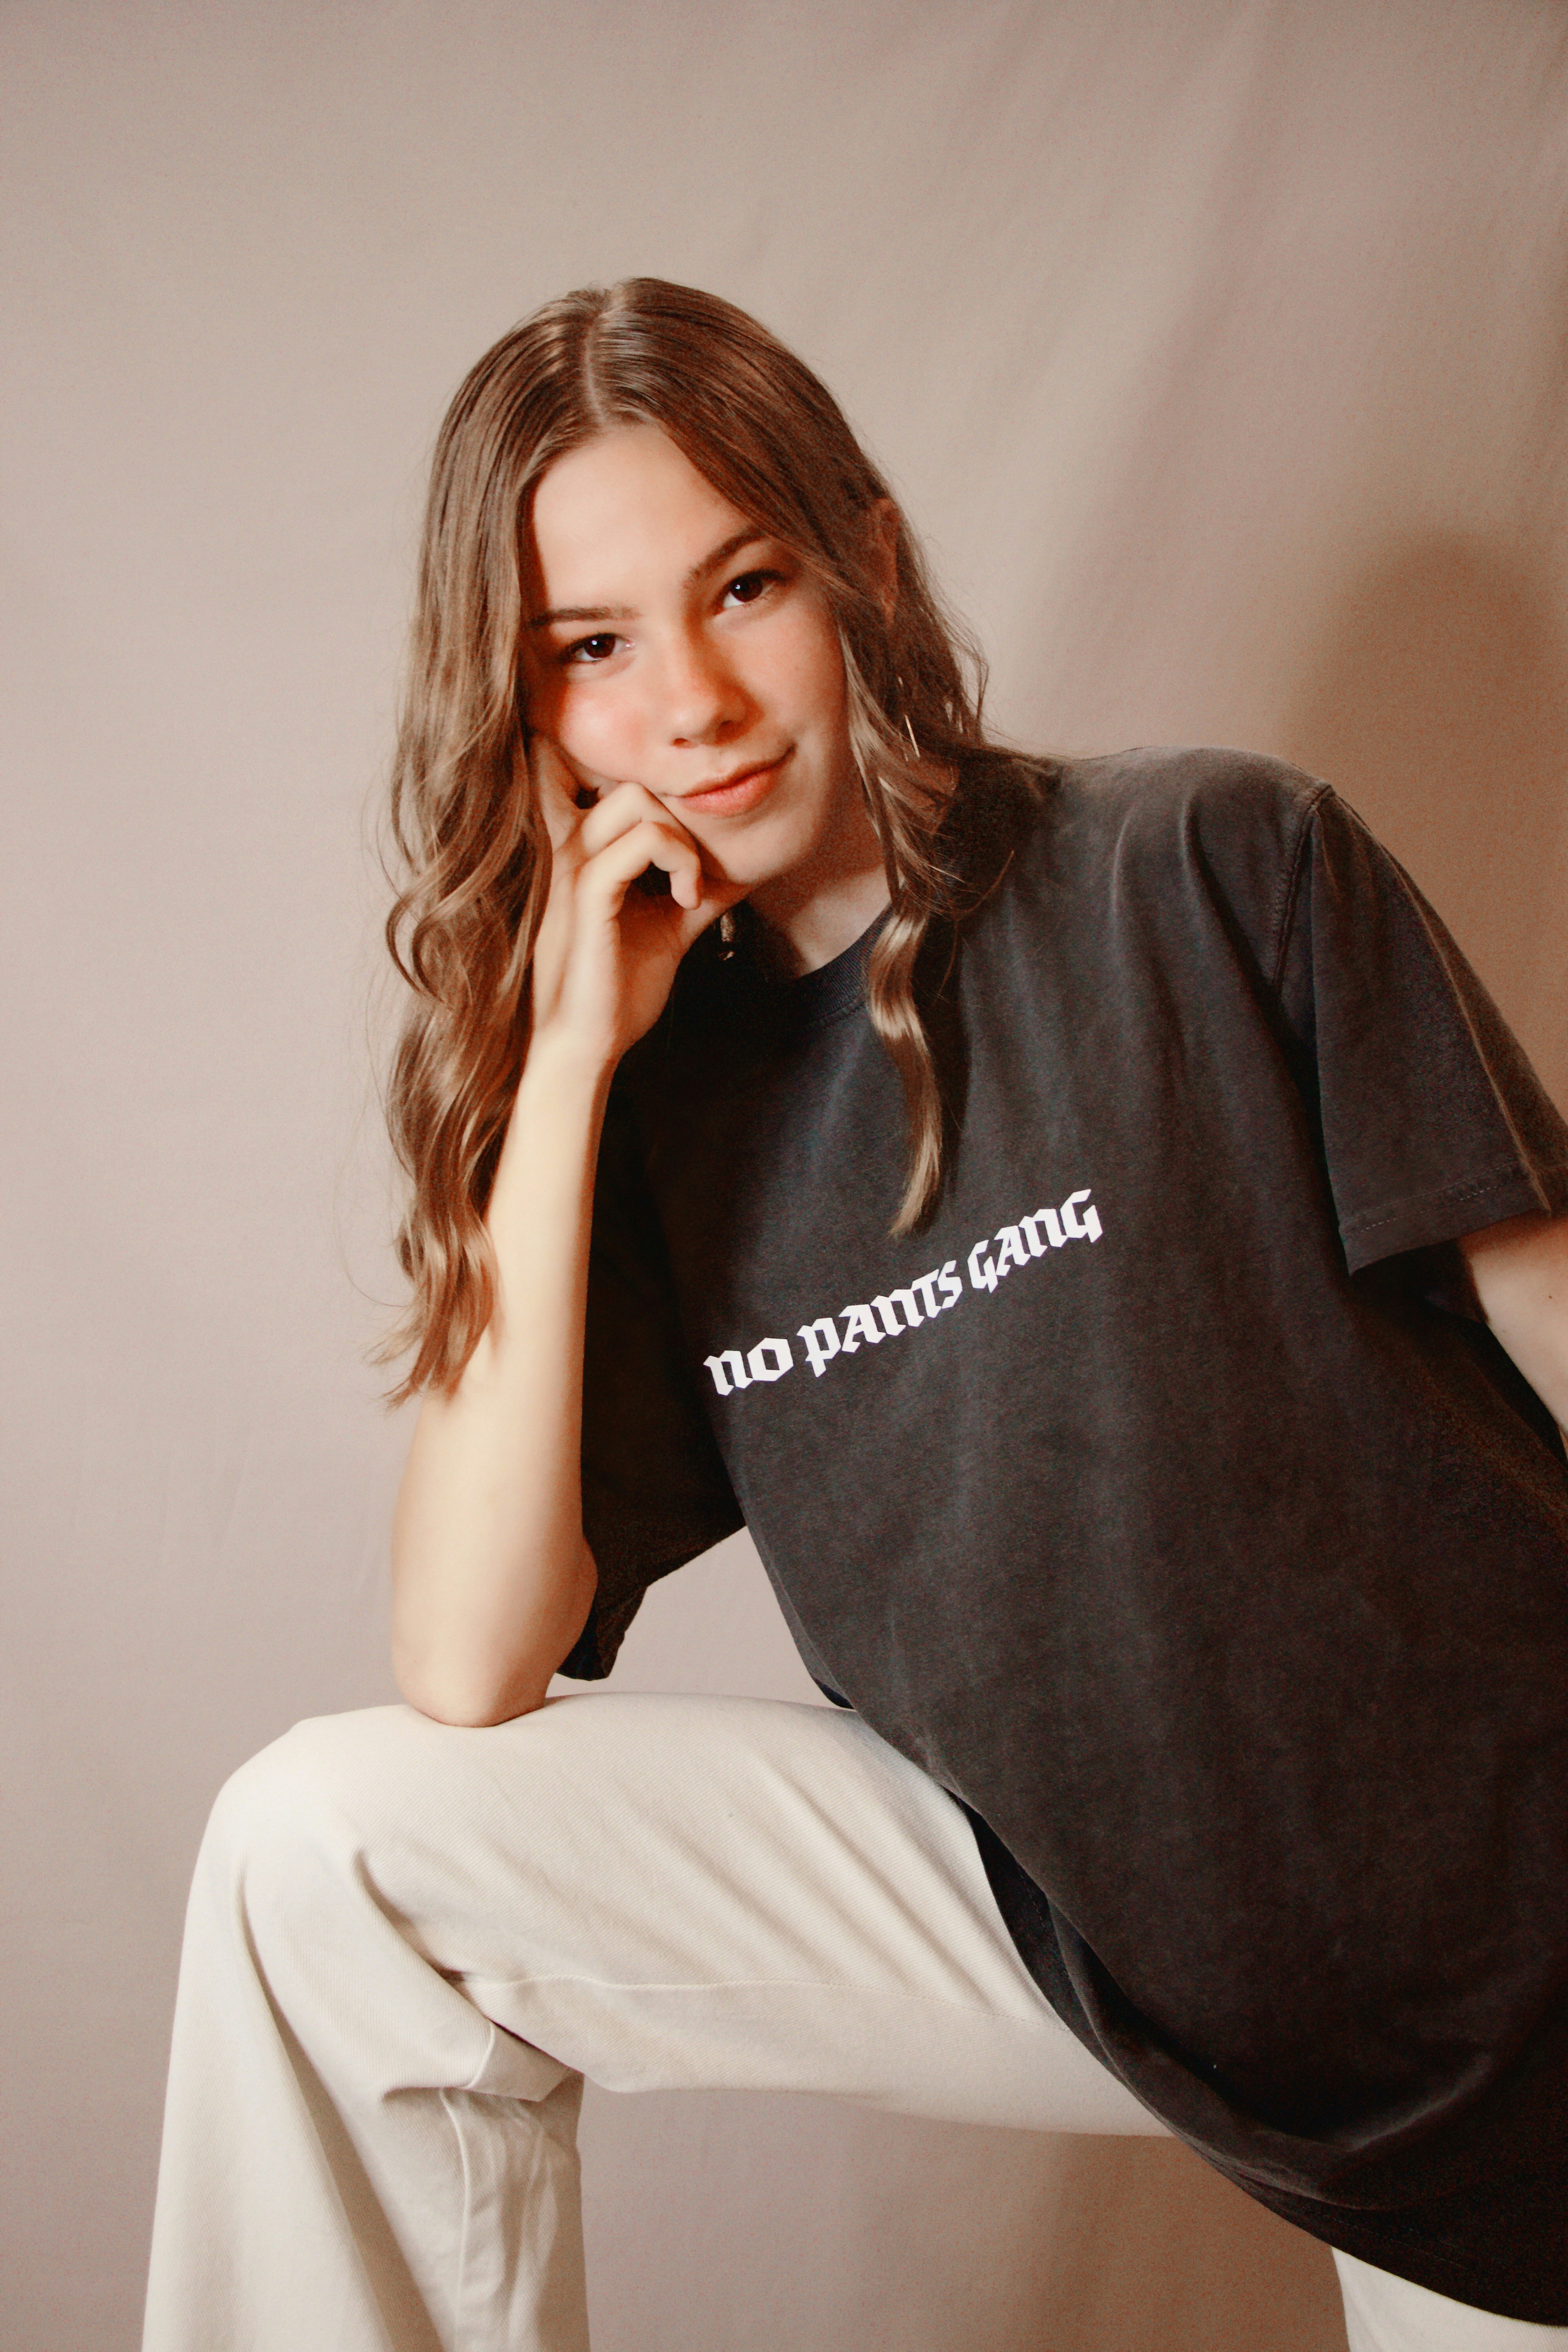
(469, 833)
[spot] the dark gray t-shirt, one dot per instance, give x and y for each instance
(1163, 1496)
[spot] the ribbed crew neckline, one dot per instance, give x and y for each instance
(834, 988)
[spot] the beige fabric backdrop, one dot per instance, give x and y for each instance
(1220, 350)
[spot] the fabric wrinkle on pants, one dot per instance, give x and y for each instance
(408, 1943)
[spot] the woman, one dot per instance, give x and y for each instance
(1060, 1209)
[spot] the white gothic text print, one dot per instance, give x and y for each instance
(893, 1312)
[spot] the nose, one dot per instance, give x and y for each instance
(704, 701)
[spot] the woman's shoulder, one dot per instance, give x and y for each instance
(1166, 846)
(1158, 788)
(1149, 791)
(1240, 817)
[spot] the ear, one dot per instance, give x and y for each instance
(882, 554)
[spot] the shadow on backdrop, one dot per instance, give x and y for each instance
(1438, 705)
(986, 2241)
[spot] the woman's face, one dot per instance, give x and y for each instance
(671, 644)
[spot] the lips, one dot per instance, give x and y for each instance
(734, 794)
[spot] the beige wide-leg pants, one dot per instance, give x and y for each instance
(407, 1944)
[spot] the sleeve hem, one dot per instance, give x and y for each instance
(597, 1646)
(1452, 1211)
(581, 1664)
(594, 1654)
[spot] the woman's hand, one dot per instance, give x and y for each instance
(607, 953)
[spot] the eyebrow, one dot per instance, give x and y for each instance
(703, 570)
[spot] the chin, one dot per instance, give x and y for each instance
(752, 867)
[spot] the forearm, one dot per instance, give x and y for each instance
(1521, 1273)
(491, 1578)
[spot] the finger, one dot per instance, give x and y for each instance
(559, 789)
(718, 897)
(616, 867)
(620, 808)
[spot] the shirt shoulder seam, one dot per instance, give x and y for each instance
(1290, 886)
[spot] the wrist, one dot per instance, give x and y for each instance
(552, 1141)
(559, 1068)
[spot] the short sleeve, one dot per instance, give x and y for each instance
(654, 1490)
(1434, 1123)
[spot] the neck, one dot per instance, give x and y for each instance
(824, 904)
(811, 918)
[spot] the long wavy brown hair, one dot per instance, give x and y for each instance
(469, 835)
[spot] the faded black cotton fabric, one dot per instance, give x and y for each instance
(1164, 1498)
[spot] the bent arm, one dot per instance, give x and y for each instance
(492, 1579)
(1521, 1273)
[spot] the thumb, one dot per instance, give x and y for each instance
(558, 788)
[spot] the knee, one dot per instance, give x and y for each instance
(321, 1870)
(321, 1793)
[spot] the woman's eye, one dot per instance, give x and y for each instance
(588, 650)
(750, 587)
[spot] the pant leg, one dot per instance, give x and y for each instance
(1383, 2314)
(408, 1943)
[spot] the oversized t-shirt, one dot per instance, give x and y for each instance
(1163, 1495)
